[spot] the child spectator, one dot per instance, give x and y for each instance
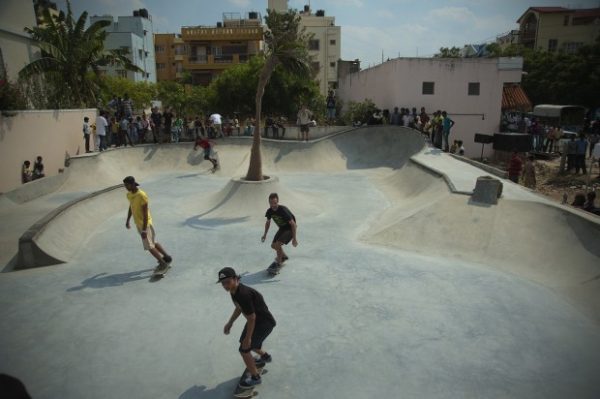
(454, 147)
(38, 169)
(515, 167)
(461, 148)
(578, 201)
(529, 180)
(26, 173)
(87, 131)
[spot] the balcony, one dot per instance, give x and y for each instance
(179, 57)
(210, 62)
(214, 33)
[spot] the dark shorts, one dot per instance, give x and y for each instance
(207, 153)
(304, 128)
(261, 332)
(283, 235)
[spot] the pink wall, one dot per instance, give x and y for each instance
(398, 83)
(48, 133)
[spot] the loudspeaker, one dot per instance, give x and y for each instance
(484, 138)
(513, 141)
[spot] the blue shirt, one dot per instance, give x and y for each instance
(446, 123)
(581, 146)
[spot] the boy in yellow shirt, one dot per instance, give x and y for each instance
(138, 208)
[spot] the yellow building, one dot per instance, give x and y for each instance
(205, 51)
(558, 28)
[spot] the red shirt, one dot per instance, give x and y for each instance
(515, 166)
(203, 143)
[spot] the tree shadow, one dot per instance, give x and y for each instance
(103, 280)
(223, 390)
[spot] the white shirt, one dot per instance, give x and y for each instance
(304, 116)
(216, 119)
(101, 125)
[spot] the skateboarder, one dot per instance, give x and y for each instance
(286, 222)
(138, 208)
(259, 323)
(209, 152)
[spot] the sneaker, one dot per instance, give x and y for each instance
(284, 258)
(259, 363)
(250, 382)
(161, 267)
(167, 259)
(266, 358)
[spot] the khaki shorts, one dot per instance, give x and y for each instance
(148, 242)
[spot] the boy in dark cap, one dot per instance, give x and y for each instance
(138, 208)
(259, 323)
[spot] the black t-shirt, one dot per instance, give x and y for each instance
(168, 118)
(281, 216)
(251, 301)
(156, 117)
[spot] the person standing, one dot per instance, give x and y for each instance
(101, 130)
(259, 323)
(395, 118)
(216, 120)
(286, 221)
(580, 154)
(447, 124)
(127, 105)
(304, 120)
(515, 166)
(330, 107)
(86, 134)
(139, 209)
(156, 122)
(529, 180)
(168, 115)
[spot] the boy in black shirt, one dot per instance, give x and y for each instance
(259, 323)
(286, 222)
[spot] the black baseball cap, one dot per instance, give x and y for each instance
(130, 180)
(226, 272)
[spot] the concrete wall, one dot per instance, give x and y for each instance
(398, 83)
(47, 133)
(15, 45)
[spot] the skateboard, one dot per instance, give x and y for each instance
(156, 274)
(274, 269)
(247, 392)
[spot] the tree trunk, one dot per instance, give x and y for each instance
(255, 167)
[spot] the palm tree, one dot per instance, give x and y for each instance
(285, 45)
(69, 67)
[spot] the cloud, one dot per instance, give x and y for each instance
(240, 3)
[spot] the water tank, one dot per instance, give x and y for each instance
(307, 8)
(136, 13)
(252, 15)
(320, 13)
(219, 24)
(144, 12)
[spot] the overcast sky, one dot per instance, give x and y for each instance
(396, 27)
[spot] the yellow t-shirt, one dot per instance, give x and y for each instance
(136, 201)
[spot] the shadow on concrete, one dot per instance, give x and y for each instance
(260, 277)
(196, 222)
(223, 390)
(103, 280)
(10, 266)
(195, 157)
(150, 151)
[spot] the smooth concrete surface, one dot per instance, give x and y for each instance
(397, 287)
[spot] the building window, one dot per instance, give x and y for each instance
(141, 54)
(160, 66)
(159, 49)
(313, 44)
(572, 47)
(332, 42)
(552, 45)
(315, 66)
(121, 73)
(473, 88)
(566, 21)
(428, 88)
(332, 64)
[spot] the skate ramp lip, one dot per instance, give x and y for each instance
(56, 237)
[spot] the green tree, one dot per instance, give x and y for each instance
(69, 53)
(141, 93)
(445, 52)
(285, 45)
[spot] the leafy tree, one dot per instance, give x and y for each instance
(69, 53)
(446, 52)
(141, 93)
(285, 45)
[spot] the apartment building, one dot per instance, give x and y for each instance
(558, 28)
(17, 49)
(133, 36)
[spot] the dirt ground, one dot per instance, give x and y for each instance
(553, 184)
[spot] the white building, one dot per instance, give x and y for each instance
(132, 34)
(324, 46)
(17, 49)
(469, 89)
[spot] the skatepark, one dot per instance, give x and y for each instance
(401, 285)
